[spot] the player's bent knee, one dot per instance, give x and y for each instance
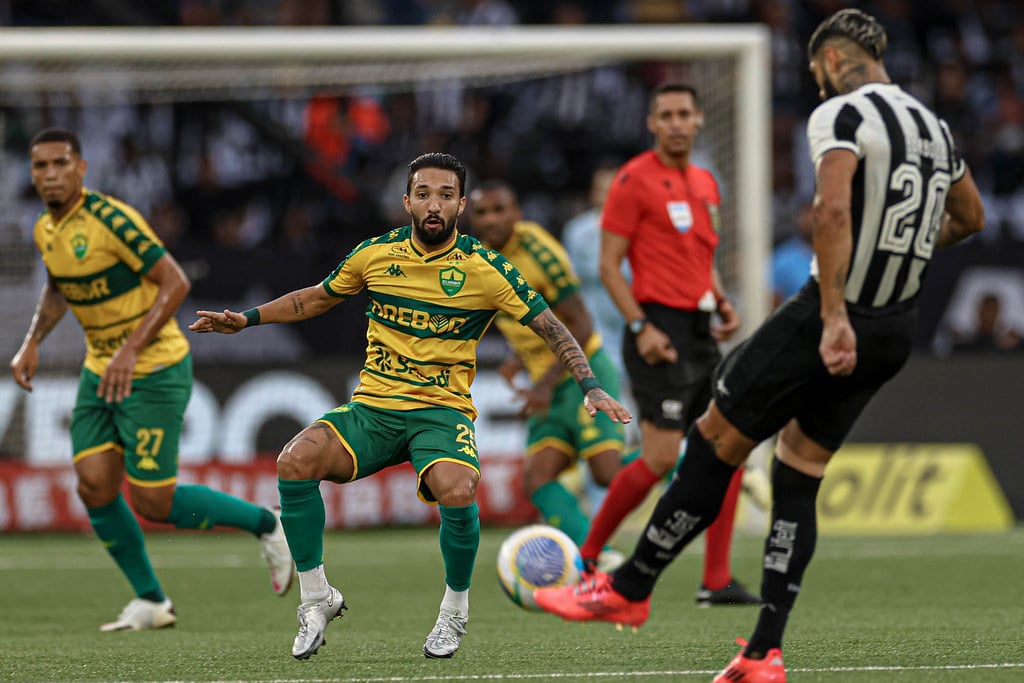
(662, 461)
(153, 504)
(96, 493)
(300, 465)
(453, 485)
(534, 478)
(604, 466)
(457, 497)
(315, 453)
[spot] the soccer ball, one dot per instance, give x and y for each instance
(536, 556)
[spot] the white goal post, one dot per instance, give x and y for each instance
(511, 48)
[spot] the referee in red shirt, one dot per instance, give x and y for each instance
(662, 214)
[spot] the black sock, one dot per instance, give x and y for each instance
(689, 505)
(787, 552)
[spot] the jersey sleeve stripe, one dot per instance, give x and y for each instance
(396, 235)
(958, 166)
(327, 286)
(526, 294)
(847, 122)
(130, 234)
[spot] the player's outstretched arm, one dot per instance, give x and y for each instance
(570, 355)
(302, 304)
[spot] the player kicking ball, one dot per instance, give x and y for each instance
(809, 371)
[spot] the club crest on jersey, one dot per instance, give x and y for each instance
(79, 245)
(452, 280)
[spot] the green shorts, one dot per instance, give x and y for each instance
(568, 427)
(145, 427)
(379, 438)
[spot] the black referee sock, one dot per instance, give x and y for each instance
(787, 552)
(689, 505)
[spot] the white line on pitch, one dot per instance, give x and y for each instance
(620, 674)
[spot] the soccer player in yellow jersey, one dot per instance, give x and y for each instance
(105, 263)
(559, 430)
(433, 292)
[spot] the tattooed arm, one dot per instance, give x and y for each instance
(49, 310)
(301, 304)
(571, 356)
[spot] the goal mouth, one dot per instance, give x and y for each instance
(729, 65)
(589, 84)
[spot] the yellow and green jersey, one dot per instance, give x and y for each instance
(97, 255)
(427, 313)
(546, 266)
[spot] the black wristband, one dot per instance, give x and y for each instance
(252, 317)
(589, 383)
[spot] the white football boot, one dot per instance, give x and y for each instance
(274, 547)
(444, 640)
(142, 615)
(313, 619)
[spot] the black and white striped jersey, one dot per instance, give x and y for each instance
(906, 163)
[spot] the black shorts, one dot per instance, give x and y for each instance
(673, 395)
(777, 374)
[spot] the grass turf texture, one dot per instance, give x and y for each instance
(945, 608)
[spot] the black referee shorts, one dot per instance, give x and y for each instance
(777, 374)
(673, 395)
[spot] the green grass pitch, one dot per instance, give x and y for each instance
(942, 608)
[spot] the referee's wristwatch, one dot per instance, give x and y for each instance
(637, 326)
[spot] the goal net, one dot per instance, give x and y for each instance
(545, 105)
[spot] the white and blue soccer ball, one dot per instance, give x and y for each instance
(536, 556)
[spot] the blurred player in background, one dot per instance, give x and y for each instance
(581, 238)
(560, 430)
(433, 292)
(662, 215)
(106, 264)
(890, 187)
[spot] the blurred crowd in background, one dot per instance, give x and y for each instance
(277, 192)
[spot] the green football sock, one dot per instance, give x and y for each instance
(561, 509)
(460, 539)
(199, 507)
(303, 518)
(116, 526)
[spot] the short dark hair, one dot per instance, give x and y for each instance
(854, 25)
(673, 87)
(57, 135)
(441, 160)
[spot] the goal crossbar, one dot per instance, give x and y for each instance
(747, 44)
